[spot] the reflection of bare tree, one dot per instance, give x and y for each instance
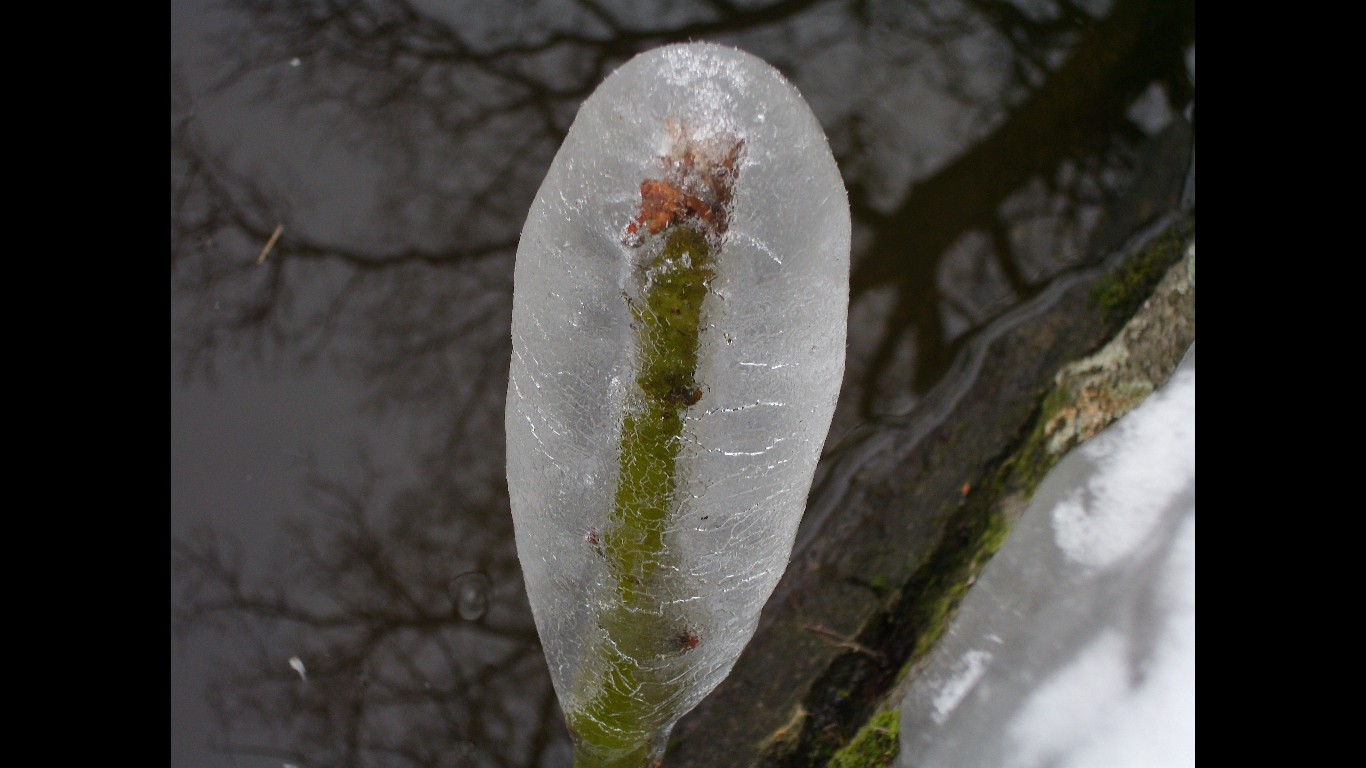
(1044, 165)
(466, 116)
(460, 114)
(357, 653)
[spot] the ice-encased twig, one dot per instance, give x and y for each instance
(622, 720)
(656, 491)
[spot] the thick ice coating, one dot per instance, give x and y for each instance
(678, 330)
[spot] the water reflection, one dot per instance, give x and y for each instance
(388, 657)
(393, 149)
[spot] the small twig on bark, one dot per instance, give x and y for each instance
(840, 641)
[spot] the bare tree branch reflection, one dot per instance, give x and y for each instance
(356, 651)
(1050, 135)
(493, 111)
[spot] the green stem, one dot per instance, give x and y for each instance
(623, 715)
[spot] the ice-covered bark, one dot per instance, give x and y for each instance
(678, 343)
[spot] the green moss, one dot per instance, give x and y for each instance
(1118, 295)
(876, 744)
(1033, 460)
(880, 586)
(951, 572)
(626, 681)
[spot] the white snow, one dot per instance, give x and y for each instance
(1089, 609)
(1148, 462)
(297, 664)
(972, 666)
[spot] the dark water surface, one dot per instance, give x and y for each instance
(344, 586)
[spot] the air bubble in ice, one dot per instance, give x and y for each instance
(471, 595)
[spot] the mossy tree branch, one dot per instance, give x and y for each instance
(627, 681)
